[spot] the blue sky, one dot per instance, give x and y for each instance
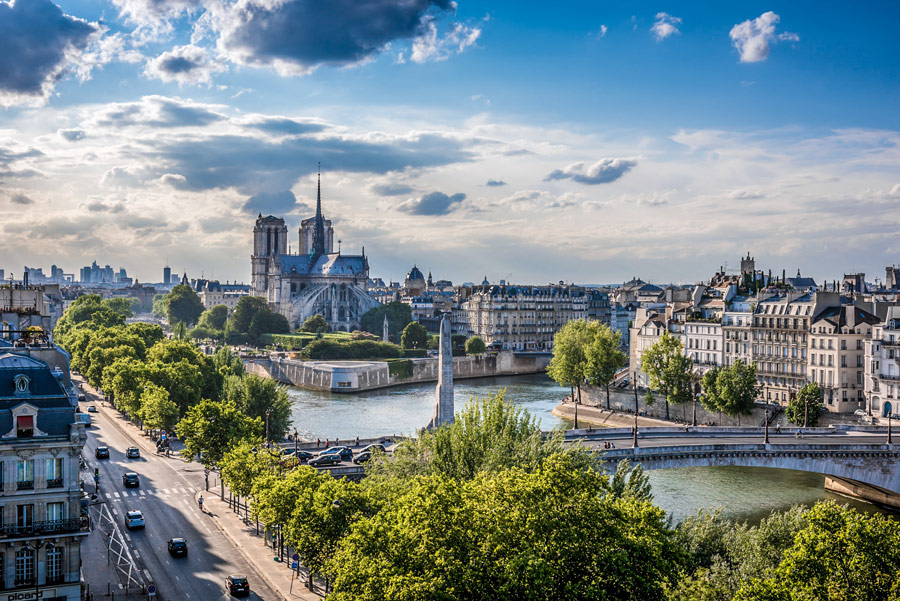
(588, 142)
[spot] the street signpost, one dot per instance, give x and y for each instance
(151, 591)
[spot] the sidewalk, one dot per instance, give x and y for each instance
(243, 536)
(598, 416)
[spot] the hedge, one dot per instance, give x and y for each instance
(325, 349)
(402, 369)
(414, 353)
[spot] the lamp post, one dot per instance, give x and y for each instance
(576, 412)
(889, 441)
(296, 443)
(766, 424)
(268, 411)
(697, 391)
(635, 429)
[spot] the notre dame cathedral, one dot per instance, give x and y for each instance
(316, 279)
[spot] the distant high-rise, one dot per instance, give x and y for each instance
(167, 274)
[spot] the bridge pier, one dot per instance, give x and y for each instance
(866, 492)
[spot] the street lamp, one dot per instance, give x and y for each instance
(697, 391)
(268, 411)
(766, 425)
(635, 429)
(296, 443)
(889, 441)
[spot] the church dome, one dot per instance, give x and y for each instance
(414, 274)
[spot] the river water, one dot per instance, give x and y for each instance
(740, 492)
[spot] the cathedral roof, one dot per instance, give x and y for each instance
(327, 264)
(414, 274)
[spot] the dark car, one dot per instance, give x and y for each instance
(323, 460)
(177, 547)
(102, 453)
(303, 456)
(237, 585)
(345, 453)
(133, 453)
(362, 457)
(131, 480)
(372, 448)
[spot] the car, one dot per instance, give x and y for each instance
(323, 460)
(92, 409)
(302, 455)
(372, 448)
(237, 585)
(83, 418)
(362, 457)
(345, 453)
(102, 453)
(131, 480)
(133, 453)
(81, 398)
(861, 412)
(177, 547)
(134, 519)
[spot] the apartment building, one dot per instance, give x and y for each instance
(882, 365)
(517, 317)
(737, 332)
(837, 338)
(648, 327)
(40, 446)
(703, 343)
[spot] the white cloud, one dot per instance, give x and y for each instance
(602, 32)
(185, 65)
(753, 37)
(664, 26)
(430, 47)
(603, 171)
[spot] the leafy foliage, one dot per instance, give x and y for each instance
(357, 349)
(315, 323)
(253, 396)
(415, 336)
(475, 346)
(244, 311)
(805, 408)
(211, 428)
(731, 390)
(669, 369)
(398, 314)
(157, 410)
(214, 318)
(183, 305)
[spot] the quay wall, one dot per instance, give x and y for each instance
(359, 376)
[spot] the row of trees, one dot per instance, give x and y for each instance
(586, 353)
(158, 380)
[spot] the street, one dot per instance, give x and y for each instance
(166, 496)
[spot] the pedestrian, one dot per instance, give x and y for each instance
(357, 441)
(318, 442)
(777, 428)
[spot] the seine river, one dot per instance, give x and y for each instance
(741, 493)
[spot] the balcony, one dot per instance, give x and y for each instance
(25, 485)
(54, 482)
(42, 528)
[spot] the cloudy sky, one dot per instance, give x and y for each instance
(585, 141)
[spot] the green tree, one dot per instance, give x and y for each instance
(242, 466)
(159, 306)
(183, 305)
(414, 336)
(267, 322)
(314, 323)
(170, 352)
(731, 390)
(204, 333)
(475, 346)
(398, 314)
(227, 363)
(210, 428)
(149, 333)
(254, 396)
(805, 407)
(124, 381)
(604, 356)
(214, 318)
(568, 366)
(157, 411)
(243, 313)
(550, 534)
(669, 370)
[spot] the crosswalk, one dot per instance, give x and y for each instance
(155, 492)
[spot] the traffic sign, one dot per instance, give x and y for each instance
(295, 565)
(151, 590)
(295, 557)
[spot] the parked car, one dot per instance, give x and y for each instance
(92, 409)
(345, 453)
(177, 547)
(102, 453)
(302, 455)
(133, 453)
(373, 447)
(362, 457)
(134, 519)
(131, 480)
(237, 585)
(323, 460)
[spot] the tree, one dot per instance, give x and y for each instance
(475, 346)
(210, 429)
(569, 362)
(214, 318)
(267, 322)
(159, 306)
(550, 534)
(840, 554)
(398, 314)
(414, 336)
(253, 396)
(227, 363)
(731, 390)
(183, 305)
(604, 356)
(170, 352)
(243, 313)
(669, 369)
(149, 333)
(314, 323)
(805, 407)
(157, 411)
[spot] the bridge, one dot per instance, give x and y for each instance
(856, 461)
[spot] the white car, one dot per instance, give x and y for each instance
(134, 519)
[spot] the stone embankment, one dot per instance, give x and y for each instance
(359, 376)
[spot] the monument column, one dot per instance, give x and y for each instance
(443, 404)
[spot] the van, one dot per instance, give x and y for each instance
(83, 418)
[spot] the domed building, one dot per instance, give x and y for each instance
(414, 284)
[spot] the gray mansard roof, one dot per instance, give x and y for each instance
(328, 264)
(42, 382)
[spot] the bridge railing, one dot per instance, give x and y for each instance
(712, 431)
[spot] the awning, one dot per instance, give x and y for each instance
(25, 422)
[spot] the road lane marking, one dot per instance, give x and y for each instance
(165, 490)
(137, 553)
(127, 536)
(142, 494)
(115, 494)
(147, 574)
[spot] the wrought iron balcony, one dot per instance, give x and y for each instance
(54, 482)
(42, 528)
(25, 485)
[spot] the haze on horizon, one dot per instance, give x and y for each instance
(588, 143)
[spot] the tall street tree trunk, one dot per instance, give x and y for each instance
(607, 396)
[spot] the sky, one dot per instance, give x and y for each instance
(534, 142)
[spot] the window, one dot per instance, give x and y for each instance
(54, 565)
(56, 512)
(24, 426)
(843, 345)
(25, 474)
(24, 566)
(24, 515)
(54, 470)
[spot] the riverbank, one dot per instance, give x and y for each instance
(362, 376)
(597, 416)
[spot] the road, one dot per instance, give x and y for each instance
(166, 497)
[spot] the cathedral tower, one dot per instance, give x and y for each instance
(269, 241)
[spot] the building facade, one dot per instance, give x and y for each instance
(882, 365)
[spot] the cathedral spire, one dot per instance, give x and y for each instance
(319, 232)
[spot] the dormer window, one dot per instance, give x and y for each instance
(21, 382)
(24, 426)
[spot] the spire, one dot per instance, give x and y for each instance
(319, 232)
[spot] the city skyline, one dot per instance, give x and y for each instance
(592, 144)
